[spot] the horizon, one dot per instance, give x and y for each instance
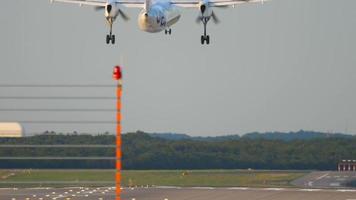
(187, 134)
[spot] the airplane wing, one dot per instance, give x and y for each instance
(82, 2)
(213, 3)
(179, 3)
(98, 3)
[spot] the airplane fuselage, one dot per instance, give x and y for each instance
(160, 16)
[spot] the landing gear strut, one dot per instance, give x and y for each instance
(168, 31)
(110, 37)
(205, 38)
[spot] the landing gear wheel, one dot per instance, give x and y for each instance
(108, 39)
(168, 31)
(205, 39)
(113, 39)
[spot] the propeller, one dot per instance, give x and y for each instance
(124, 15)
(198, 20)
(215, 18)
(99, 8)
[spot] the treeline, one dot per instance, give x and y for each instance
(142, 151)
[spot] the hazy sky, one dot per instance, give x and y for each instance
(282, 66)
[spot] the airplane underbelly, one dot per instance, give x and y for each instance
(154, 24)
(149, 24)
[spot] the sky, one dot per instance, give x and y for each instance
(286, 65)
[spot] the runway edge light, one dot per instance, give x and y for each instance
(117, 76)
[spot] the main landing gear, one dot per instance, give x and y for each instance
(168, 31)
(110, 38)
(205, 38)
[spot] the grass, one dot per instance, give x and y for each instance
(201, 178)
(212, 178)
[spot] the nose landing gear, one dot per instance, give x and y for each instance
(110, 38)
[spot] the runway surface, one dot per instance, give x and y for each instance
(325, 179)
(176, 193)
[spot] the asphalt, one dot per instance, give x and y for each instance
(176, 193)
(314, 186)
(325, 179)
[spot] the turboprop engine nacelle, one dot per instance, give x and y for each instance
(205, 9)
(111, 10)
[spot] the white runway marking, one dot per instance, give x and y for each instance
(203, 188)
(335, 184)
(168, 187)
(238, 188)
(321, 177)
(310, 190)
(346, 190)
(274, 189)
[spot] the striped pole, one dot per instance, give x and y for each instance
(117, 75)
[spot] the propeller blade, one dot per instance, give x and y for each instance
(124, 15)
(99, 8)
(198, 20)
(215, 18)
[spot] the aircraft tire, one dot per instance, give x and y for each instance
(108, 39)
(113, 39)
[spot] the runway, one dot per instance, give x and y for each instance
(325, 179)
(176, 193)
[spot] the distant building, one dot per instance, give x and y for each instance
(11, 130)
(347, 165)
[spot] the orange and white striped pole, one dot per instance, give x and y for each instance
(117, 75)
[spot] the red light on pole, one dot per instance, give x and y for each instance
(117, 75)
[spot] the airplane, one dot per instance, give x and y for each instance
(158, 15)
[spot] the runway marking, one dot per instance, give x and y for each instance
(310, 190)
(238, 188)
(321, 177)
(39, 188)
(167, 187)
(345, 190)
(203, 188)
(274, 189)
